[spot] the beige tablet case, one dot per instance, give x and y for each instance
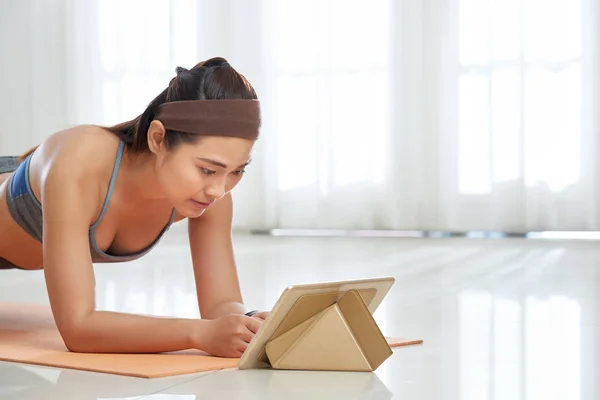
(330, 329)
(342, 337)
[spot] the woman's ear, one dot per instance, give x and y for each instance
(156, 137)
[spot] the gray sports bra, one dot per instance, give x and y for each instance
(26, 210)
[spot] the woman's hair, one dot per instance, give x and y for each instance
(213, 79)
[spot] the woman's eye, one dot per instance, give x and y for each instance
(239, 172)
(208, 171)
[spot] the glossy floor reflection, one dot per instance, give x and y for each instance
(501, 319)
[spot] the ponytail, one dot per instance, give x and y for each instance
(133, 132)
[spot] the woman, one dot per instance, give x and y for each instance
(99, 194)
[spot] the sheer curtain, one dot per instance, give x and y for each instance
(329, 144)
(525, 89)
(33, 72)
(437, 114)
(413, 114)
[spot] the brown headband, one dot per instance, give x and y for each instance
(232, 118)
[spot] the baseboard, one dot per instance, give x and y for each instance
(572, 235)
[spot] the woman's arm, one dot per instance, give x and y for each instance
(215, 272)
(71, 202)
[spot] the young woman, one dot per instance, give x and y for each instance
(92, 194)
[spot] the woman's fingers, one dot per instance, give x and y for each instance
(253, 324)
(261, 315)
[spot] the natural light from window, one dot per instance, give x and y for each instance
(519, 94)
(333, 105)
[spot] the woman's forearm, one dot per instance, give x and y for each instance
(111, 332)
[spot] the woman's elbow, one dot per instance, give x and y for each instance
(76, 342)
(75, 337)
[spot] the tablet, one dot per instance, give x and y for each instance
(297, 303)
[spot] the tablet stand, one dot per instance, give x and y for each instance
(342, 337)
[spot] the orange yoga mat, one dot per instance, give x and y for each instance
(29, 335)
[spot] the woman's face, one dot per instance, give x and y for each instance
(193, 176)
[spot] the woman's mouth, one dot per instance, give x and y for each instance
(200, 205)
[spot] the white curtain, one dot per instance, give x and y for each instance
(33, 72)
(381, 114)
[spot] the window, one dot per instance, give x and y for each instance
(332, 97)
(519, 93)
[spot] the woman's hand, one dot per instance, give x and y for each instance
(227, 336)
(262, 315)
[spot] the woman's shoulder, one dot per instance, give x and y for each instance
(82, 156)
(77, 161)
(87, 142)
(83, 149)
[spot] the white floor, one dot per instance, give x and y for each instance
(501, 319)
